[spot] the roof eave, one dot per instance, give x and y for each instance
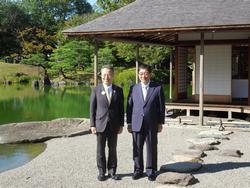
(153, 30)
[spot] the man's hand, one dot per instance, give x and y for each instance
(93, 130)
(129, 128)
(160, 128)
(120, 130)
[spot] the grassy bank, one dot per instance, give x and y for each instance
(16, 72)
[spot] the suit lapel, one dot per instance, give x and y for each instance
(103, 94)
(114, 93)
(149, 93)
(140, 94)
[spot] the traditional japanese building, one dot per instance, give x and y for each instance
(217, 32)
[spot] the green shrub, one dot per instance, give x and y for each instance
(24, 79)
(160, 76)
(18, 74)
(125, 77)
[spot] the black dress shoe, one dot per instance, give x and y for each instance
(101, 177)
(114, 177)
(152, 177)
(137, 175)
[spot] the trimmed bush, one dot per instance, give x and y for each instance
(160, 76)
(24, 79)
(125, 77)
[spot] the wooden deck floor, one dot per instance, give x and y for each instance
(209, 107)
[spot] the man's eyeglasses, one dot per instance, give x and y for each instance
(144, 73)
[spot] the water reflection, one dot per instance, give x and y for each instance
(23, 103)
(15, 155)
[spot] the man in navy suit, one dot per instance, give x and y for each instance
(145, 116)
(106, 121)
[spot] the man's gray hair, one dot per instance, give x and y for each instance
(108, 66)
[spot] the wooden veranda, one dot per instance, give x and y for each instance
(228, 108)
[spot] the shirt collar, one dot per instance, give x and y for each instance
(145, 85)
(107, 87)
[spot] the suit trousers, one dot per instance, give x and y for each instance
(109, 136)
(139, 138)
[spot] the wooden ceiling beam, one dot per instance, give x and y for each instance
(210, 42)
(134, 41)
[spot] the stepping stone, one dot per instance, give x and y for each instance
(180, 167)
(179, 179)
(203, 147)
(206, 141)
(215, 134)
(189, 156)
(221, 137)
(231, 153)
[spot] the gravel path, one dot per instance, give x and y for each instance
(71, 162)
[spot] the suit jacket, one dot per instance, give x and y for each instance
(101, 112)
(150, 112)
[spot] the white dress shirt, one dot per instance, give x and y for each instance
(144, 90)
(108, 91)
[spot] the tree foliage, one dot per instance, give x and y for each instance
(36, 40)
(153, 55)
(12, 20)
(106, 54)
(37, 59)
(127, 52)
(70, 56)
(74, 21)
(50, 14)
(111, 5)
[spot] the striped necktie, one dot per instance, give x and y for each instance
(108, 94)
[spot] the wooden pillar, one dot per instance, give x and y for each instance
(95, 63)
(201, 82)
(229, 115)
(137, 63)
(248, 71)
(171, 76)
(176, 76)
(193, 79)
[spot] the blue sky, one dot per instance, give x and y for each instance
(92, 1)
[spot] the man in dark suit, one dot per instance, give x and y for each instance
(145, 116)
(106, 121)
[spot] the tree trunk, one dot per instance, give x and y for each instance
(64, 76)
(46, 79)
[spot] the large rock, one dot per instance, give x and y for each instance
(43, 130)
(176, 179)
(181, 167)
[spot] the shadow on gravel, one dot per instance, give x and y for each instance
(218, 167)
(125, 175)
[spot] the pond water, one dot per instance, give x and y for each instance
(20, 103)
(15, 155)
